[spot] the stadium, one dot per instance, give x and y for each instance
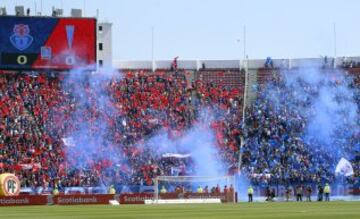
(85, 135)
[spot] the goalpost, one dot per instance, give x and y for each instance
(193, 182)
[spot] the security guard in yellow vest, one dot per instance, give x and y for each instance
(163, 190)
(200, 189)
(112, 190)
(250, 192)
(327, 191)
(55, 190)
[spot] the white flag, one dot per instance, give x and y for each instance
(344, 167)
(173, 155)
(69, 142)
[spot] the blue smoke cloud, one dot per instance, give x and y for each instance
(330, 112)
(87, 122)
(323, 99)
(199, 141)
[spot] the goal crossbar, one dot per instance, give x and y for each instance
(191, 178)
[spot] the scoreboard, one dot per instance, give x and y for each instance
(35, 43)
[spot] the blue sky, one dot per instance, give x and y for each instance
(209, 29)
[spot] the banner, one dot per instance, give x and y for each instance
(69, 142)
(135, 198)
(23, 200)
(344, 167)
(174, 155)
(82, 199)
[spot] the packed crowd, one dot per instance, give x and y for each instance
(38, 112)
(277, 147)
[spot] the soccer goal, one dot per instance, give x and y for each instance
(193, 189)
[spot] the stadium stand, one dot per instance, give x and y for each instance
(34, 111)
(35, 108)
(276, 135)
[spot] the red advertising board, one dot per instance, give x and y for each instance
(82, 199)
(23, 200)
(58, 200)
(135, 198)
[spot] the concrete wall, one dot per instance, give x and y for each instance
(105, 38)
(132, 64)
(182, 64)
(223, 64)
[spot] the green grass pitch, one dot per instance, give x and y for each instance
(345, 210)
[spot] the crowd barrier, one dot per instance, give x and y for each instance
(139, 198)
(81, 199)
(57, 200)
(336, 190)
(23, 200)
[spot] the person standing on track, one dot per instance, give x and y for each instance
(308, 193)
(288, 193)
(250, 192)
(200, 189)
(163, 190)
(299, 193)
(327, 191)
(320, 193)
(112, 190)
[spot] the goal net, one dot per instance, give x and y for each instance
(204, 188)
